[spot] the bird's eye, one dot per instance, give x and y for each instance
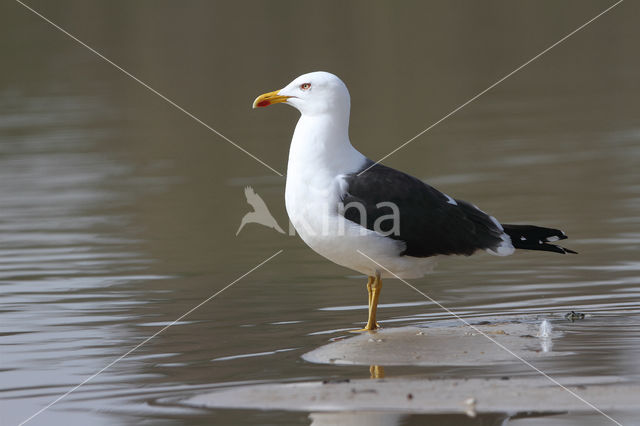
(305, 86)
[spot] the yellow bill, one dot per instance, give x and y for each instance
(269, 98)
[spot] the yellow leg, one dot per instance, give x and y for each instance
(373, 306)
(370, 289)
(373, 289)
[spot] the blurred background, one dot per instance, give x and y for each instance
(118, 212)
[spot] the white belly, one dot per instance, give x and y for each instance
(312, 206)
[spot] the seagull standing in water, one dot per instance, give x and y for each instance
(371, 218)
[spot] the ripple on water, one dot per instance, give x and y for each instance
(64, 260)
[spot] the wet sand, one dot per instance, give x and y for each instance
(456, 345)
(489, 341)
(470, 396)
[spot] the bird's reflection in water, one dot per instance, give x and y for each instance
(372, 418)
(377, 371)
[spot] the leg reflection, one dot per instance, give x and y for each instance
(377, 371)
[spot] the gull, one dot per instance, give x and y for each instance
(368, 217)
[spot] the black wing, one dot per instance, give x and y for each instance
(431, 223)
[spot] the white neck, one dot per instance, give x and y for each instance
(321, 143)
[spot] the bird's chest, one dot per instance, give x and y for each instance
(312, 204)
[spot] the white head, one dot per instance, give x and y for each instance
(314, 93)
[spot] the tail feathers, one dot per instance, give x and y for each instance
(529, 237)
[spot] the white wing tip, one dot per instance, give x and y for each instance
(502, 250)
(505, 248)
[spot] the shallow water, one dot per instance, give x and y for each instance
(118, 213)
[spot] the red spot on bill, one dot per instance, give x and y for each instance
(264, 103)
